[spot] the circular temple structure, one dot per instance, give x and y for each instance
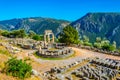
(57, 50)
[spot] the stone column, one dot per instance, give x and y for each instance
(45, 38)
(52, 38)
(48, 38)
(40, 48)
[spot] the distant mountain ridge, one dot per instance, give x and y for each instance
(99, 25)
(37, 24)
(105, 25)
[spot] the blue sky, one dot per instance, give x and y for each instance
(60, 9)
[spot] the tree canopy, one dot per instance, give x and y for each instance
(37, 37)
(31, 34)
(69, 35)
(14, 34)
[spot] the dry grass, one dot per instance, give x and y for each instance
(34, 78)
(5, 77)
(4, 55)
(4, 51)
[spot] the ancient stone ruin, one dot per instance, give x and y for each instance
(87, 69)
(24, 43)
(47, 35)
(55, 51)
(52, 49)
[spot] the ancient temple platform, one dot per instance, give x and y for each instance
(56, 50)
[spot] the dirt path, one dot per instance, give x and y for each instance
(86, 53)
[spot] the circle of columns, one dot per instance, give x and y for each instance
(47, 34)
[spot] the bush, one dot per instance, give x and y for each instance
(14, 34)
(17, 68)
(87, 44)
(97, 45)
(105, 45)
(108, 47)
(31, 34)
(5, 33)
(98, 39)
(85, 38)
(36, 37)
(112, 48)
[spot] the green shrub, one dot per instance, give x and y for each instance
(112, 48)
(18, 68)
(36, 37)
(108, 47)
(97, 45)
(14, 34)
(105, 45)
(5, 33)
(85, 38)
(31, 34)
(87, 44)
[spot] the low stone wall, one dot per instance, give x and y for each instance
(56, 54)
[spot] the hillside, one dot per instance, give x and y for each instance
(37, 24)
(105, 25)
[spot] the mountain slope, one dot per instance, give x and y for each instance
(37, 24)
(99, 25)
(105, 25)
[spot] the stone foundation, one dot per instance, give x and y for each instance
(60, 53)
